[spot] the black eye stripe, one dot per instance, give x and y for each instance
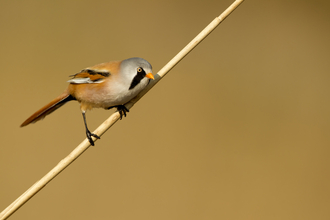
(140, 74)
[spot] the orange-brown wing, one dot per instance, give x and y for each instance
(96, 74)
(89, 76)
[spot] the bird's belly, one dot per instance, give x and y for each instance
(96, 96)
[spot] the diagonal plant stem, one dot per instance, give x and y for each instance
(83, 146)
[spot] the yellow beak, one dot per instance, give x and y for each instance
(150, 76)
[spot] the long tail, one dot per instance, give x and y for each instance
(49, 108)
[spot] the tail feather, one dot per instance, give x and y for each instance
(49, 108)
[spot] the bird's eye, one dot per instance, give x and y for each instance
(139, 70)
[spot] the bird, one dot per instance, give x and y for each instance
(106, 85)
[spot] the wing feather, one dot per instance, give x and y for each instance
(89, 76)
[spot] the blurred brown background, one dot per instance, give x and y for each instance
(238, 130)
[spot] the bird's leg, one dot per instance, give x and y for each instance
(88, 133)
(121, 109)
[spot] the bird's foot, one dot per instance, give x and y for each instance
(90, 135)
(122, 110)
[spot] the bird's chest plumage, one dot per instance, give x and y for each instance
(118, 92)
